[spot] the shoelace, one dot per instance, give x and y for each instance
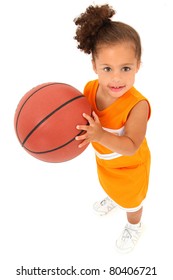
(130, 234)
(103, 202)
(108, 203)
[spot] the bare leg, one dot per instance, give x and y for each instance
(134, 217)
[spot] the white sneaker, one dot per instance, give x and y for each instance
(129, 237)
(104, 207)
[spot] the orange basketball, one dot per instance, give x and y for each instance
(45, 121)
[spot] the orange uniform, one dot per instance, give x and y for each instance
(124, 178)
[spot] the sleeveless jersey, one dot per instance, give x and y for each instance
(124, 178)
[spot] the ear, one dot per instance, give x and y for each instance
(94, 65)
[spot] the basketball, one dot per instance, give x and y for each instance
(46, 118)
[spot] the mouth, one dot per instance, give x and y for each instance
(117, 89)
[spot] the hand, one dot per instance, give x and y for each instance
(94, 130)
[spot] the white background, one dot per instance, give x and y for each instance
(46, 216)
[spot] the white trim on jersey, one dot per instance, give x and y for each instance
(110, 156)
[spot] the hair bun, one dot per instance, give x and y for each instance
(89, 24)
(104, 13)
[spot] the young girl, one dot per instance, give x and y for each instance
(118, 123)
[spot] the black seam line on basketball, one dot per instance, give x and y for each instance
(44, 86)
(51, 84)
(49, 115)
(54, 149)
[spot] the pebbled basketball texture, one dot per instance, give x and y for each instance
(46, 118)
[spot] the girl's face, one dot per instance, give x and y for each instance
(116, 66)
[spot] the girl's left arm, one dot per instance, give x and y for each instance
(129, 142)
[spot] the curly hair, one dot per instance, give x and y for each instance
(95, 28)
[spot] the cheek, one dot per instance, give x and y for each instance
(130, 78)
(103, 83)
(104, 79)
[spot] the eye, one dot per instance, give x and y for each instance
(126, 69)
(107, 69)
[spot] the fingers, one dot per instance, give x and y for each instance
(89, 129)
(88, 118)
(82, 127)
(82, 138)
(95, 116)
(83, 143)
(85, 127)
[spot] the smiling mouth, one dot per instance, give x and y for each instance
(117, 88)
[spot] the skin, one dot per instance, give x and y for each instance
(116, 66)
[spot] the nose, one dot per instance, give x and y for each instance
(116, 77)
